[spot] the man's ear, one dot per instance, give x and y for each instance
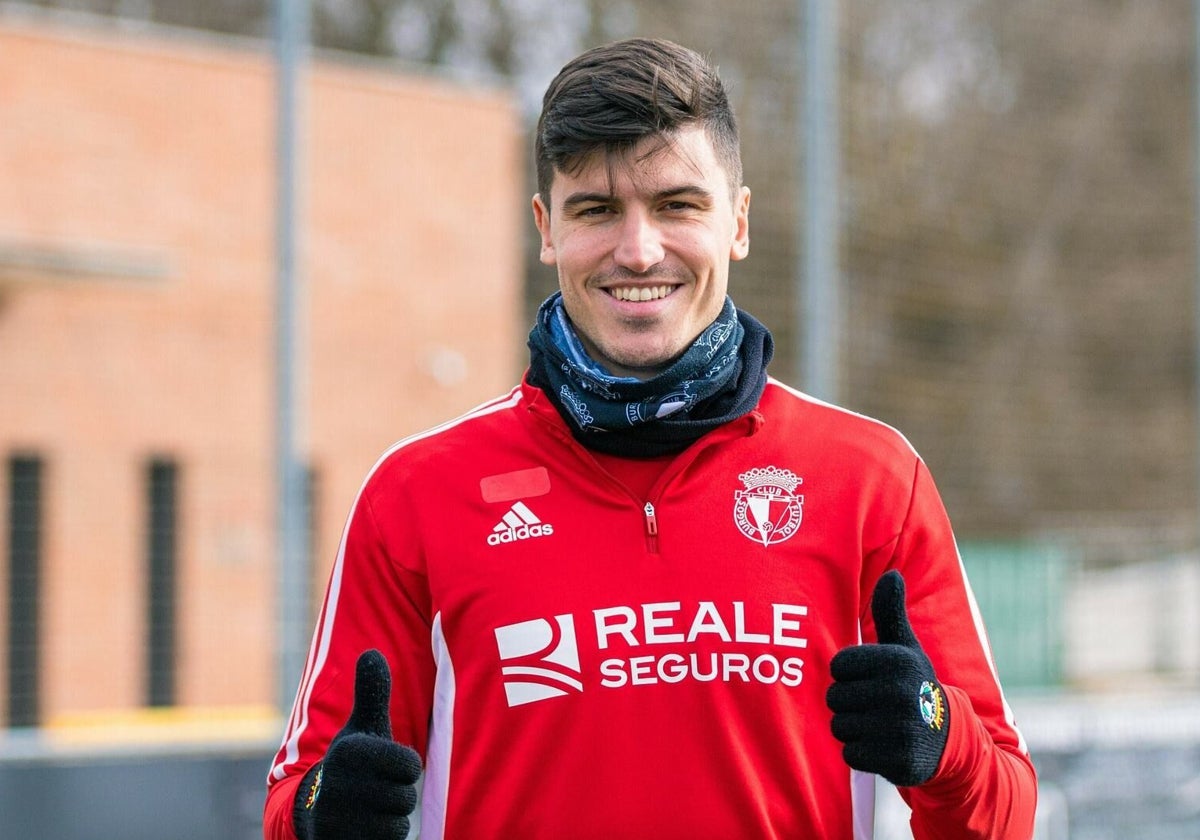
(740, 246)
(541, 218)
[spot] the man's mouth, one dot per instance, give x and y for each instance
(639, 294)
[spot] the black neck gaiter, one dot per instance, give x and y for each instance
(719, 378)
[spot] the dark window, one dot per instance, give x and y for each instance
(162, 491)
(24, 584)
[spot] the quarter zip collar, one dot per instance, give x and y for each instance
(543, 412)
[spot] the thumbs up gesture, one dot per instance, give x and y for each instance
(364, 787)
(888, 709)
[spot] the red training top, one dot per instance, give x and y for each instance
(573, 658)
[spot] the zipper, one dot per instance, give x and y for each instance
(651, 527)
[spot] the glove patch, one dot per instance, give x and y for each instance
(315, 790)
(933, 705)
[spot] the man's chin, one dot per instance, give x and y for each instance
(640, 365)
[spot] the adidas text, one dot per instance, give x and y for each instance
(523, 532)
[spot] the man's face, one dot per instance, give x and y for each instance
(642, 249)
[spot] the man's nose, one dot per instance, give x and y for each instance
(639, 247)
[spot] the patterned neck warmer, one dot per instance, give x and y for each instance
(719, 378)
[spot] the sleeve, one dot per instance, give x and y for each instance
(377, 597)
(985, 787)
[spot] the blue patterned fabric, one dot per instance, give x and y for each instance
(718, 378)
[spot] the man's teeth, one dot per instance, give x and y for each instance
(640, 293)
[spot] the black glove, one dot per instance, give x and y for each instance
(363, 789)
(888, 708)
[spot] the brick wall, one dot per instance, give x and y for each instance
(153, 153)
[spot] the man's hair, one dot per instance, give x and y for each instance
(612, 97)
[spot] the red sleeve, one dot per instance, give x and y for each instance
(377, 597)
(981, 789)
(985, 787)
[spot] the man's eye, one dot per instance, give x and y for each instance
(594, 210)
(678, 206)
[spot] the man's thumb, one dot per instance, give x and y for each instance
(372, 691)
(891, 617)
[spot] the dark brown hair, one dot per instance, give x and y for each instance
(612, 97)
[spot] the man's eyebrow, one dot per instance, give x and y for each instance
(578, 198)
(686, 189)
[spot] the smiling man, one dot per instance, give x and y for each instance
(651, 592)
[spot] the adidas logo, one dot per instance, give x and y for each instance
(520, 523)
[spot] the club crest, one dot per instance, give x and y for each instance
(768, 510)
(933, 706)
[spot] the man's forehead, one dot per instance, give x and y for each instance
(656, 163)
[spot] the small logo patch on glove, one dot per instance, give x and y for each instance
(933, 706)
(314, 791)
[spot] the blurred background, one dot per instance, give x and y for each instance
(245, 246)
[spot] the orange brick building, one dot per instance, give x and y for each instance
(136, 338)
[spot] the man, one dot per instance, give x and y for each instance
(650, 593)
